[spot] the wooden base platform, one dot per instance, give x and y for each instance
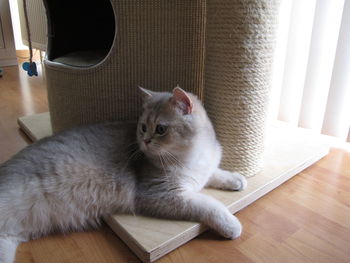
(36, 126)
(288, 151)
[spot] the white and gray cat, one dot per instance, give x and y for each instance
(156, 167)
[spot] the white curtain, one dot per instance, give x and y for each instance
(311, 75)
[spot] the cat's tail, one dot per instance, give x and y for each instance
(8, 246)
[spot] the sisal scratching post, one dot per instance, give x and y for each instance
(239, 51)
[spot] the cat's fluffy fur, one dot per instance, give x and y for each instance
(156, 167)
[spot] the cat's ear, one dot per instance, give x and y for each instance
(146, 94)
(181, 100)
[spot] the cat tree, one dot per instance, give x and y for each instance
(221, 50)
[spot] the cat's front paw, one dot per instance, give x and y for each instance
(226, 180)
(237, 182)
(228, 226)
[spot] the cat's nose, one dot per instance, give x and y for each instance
(147, 141)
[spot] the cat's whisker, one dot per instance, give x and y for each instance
(181, 165)
(166, 158)
(137, 153)
(131, 148)
(132, 144)
(175, 162)
(174, 159)
(161, 161)
(169, 161)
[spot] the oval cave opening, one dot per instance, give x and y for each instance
(80, 32)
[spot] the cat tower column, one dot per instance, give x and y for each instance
(239, 50)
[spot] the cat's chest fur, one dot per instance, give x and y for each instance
(200, 165)
(192, 175)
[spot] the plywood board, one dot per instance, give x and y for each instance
(36, 126)
(288, 151)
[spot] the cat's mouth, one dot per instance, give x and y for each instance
(147, 147)
(150, 149)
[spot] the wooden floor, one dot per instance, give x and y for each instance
(307, 219)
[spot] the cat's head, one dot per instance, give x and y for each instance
(168, 123)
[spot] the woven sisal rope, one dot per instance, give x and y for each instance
(220, 50)
(239, 50)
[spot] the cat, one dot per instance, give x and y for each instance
(155, 167)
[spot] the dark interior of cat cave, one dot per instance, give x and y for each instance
(80, 32)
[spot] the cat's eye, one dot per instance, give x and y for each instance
(161, 129)
(143, 127)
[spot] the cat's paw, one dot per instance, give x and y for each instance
(228, 226)
(237, 182)
(226, 180)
